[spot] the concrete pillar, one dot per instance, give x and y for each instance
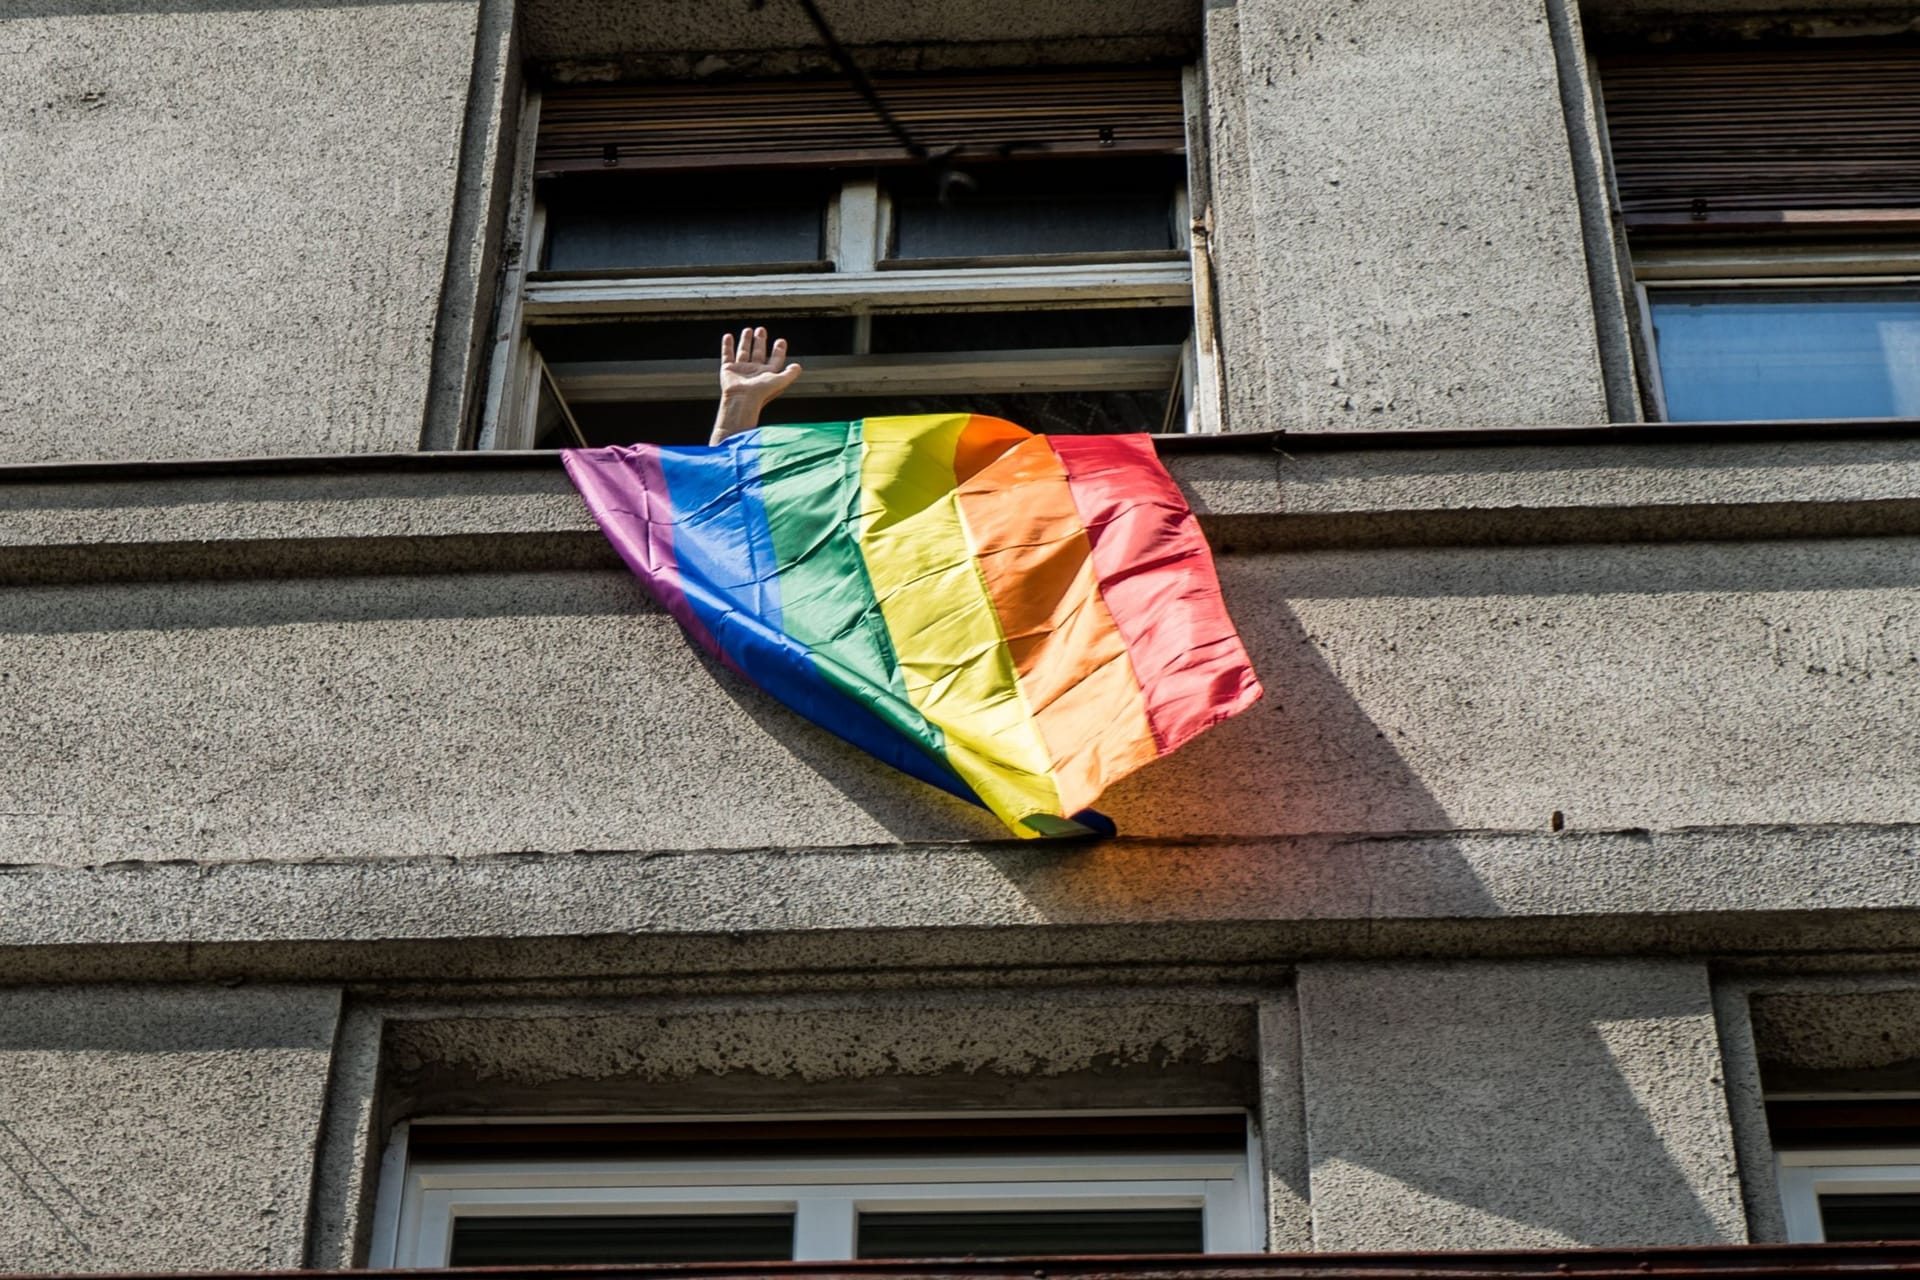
(1420, 251)
(1514, 1105)
(159, 1128)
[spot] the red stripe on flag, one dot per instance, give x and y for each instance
(1157, 577)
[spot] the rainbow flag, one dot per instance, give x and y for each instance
(1019, 619)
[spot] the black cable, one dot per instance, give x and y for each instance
(855, 73)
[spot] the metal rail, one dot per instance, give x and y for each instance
(1168, 445)
(1879, 1261)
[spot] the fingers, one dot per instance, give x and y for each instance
(784, 379)
(751, 347)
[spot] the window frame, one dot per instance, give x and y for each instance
(418, 1202)
(1667, 268)
(864, 282)
(1805, 248)
(1805, 1175)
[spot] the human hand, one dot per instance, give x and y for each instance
(751, 375)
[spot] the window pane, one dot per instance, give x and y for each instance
(1893, 1217)
(1028, 1233)
(613, 222)
(730, 1237)
(1035, 208)
(1788, 353)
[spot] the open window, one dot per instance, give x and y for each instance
(466, 1194)
(1034, 260)
(1848, 1168)
(1772, 211)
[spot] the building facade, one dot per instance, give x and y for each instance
(360, 818)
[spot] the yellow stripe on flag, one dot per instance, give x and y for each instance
(945, 632)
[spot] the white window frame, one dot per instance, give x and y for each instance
(858, 228)
(1805, 1176)
(1673, 268)
(419, 1202)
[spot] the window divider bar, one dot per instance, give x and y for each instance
(1143, 368)
(849, 293)
(824, 1228)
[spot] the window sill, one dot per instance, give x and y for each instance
(497, 512)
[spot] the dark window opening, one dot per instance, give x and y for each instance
(1030, 1233)
(633, 1238)
(1035, 209)
(1870, 1217)
(639, 221)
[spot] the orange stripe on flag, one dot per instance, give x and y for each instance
(1072, 664)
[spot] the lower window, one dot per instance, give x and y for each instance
(1851, 1195)
(753, 1191)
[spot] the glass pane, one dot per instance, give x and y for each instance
(1035, 208)
(1030, 1233)
(629, 221)
(1055, 412)
(719, 1237)
(1031, 329)
(1891, 1217)
(1738, 354)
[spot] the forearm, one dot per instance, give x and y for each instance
(736, 414)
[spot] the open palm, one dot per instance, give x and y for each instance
(750, 371)
(751, 374)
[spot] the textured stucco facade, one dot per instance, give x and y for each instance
(349, 780)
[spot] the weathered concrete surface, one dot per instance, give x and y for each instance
(1652, 686)
(1862, 1034)
(1235, 245)
(1512, 1105)
(227, 224)
(1747, 1113)
(712, 35)
(1697, 891)
(1283, 1126)
(1789, 479)
(1419, 229)
(159, 1128)
(900, 1053)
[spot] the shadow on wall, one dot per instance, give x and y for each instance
(1581, 1102)
(1306, 758)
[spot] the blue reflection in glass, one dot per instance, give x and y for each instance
(1747, 354)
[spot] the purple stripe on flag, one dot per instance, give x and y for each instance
(627, 494)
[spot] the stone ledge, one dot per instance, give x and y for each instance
(1721, 890)
(429, 513)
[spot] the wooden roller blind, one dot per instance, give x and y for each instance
(1712, 137)
(800, 124)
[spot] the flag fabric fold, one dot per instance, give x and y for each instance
(1020, 620)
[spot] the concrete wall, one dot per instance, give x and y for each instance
(159, 1128)
(1507, 1106)
(1430, 689)
(1417, 228)
(227, 223)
